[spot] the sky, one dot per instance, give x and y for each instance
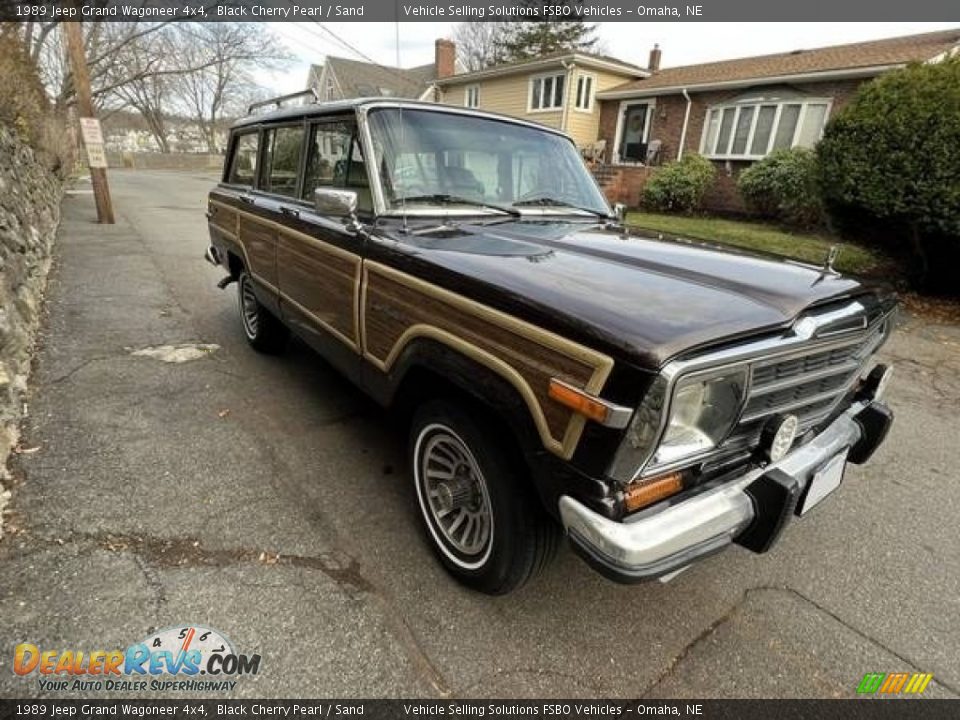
(681, 43)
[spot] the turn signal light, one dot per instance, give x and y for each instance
(579, 401)
(647, 492)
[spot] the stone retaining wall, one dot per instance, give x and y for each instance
(29, 214)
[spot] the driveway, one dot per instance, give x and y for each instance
(266, 498)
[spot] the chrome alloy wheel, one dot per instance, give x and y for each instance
(453, 496)
(249, 308)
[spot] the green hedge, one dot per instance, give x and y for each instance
(784, 186)
(679, 186)
(889, 168)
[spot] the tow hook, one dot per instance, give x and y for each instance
(226, 281)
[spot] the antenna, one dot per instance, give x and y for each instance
(403, 195)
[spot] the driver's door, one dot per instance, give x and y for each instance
(318, 258)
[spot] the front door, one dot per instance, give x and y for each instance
(319, 259)
(633, 147)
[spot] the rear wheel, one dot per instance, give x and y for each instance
(482, 518)
(263, 330)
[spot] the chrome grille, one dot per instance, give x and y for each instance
(808, 384)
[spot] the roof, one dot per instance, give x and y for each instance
(582, 58)
(864, 58)
(363, 79)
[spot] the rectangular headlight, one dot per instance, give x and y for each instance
(703, 409)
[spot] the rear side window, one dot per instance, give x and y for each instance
(282, 161)
(243, 167)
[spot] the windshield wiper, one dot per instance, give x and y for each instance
(447, 199)
(556, 202)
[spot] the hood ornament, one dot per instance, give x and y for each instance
(830, 259)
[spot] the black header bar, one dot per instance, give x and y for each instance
(478, 10)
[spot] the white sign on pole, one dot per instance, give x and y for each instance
(93, 141)
(96, 156)
(90, 129)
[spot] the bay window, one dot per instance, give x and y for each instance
(751, 129)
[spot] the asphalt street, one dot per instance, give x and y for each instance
(267, 498)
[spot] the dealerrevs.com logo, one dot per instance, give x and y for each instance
(186, 657)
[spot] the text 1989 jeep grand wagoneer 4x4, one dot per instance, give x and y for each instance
(656, 400)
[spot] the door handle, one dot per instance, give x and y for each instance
(246, 199)
(290, 212)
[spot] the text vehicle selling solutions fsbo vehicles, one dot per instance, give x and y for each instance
(655, 400)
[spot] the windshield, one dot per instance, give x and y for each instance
(433, 161)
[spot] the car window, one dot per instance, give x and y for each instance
(426, 155)
(243, 168)
(335, 160)
(282, 161)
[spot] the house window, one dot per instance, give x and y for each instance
(752, 129)
(546, 92)
(584, 99)
(471, 96)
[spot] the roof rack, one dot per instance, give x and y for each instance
(278, 102)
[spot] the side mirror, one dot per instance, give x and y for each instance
(335, 203)
(620, 211)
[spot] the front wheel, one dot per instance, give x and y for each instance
(262, 329)
(482, 518)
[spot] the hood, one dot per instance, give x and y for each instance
(650, 298)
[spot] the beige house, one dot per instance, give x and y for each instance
(557, 90)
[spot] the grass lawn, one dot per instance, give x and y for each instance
(809, 247)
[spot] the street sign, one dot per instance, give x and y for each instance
(93, 142)
(90, 129)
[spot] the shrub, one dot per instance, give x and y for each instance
(891, 161)
(784, 186)
(679, 186)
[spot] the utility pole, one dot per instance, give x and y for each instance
(81, 84)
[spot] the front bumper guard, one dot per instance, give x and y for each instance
(752, 509)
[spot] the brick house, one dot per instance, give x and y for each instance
(736, 112)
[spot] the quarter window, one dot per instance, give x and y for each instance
(584, 92)
(751, 130)
(472, 96)
(546, 92)
(243, 167)
(282, 162)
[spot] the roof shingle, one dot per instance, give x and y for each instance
(890, 51)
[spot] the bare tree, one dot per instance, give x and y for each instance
(225, 54)
(479, 44)
(142, 77)
(159, 69)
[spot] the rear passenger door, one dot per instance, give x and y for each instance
(319, 263)
(238, 215)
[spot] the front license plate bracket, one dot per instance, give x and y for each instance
(827, 479)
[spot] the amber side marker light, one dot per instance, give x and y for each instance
(647, 492)
(579, 401)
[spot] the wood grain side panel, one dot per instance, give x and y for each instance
(224, 219)
(260, 242)
(397, 309)
(323, 284)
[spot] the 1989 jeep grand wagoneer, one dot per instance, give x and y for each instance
(657, 400)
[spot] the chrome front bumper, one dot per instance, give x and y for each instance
(659, 540)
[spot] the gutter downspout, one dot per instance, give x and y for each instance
(569, 67)
(686, 121)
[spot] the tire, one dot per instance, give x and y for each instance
(263, 330)
(465, 477)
